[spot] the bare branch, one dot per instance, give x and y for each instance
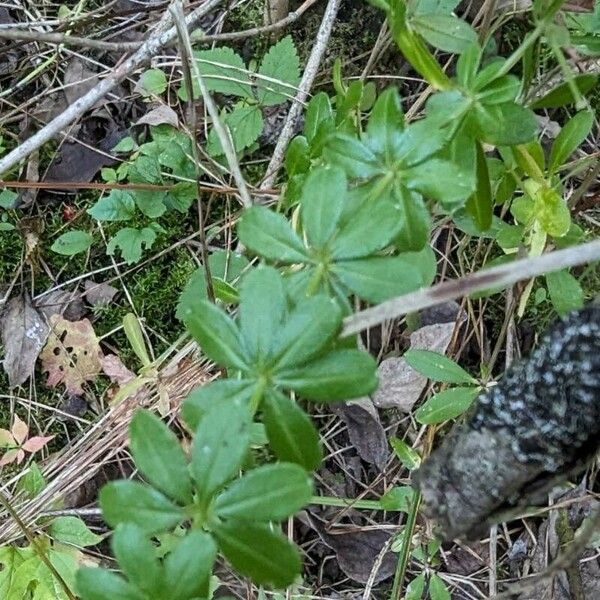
(501, 276)
(163, 34)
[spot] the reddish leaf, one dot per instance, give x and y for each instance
(36, 443)
(19, 430)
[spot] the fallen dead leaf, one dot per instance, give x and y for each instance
(160, 115)
(78, 80)
(365, 430)
(116, 371)
(357, 551)
(72, 354)
(99, 294)
(400, 386)
(24, 332)
(61, 302)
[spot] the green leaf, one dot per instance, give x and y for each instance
(467, 65)
(415, 220)
(219, 447)
(322, 201)
(266, 493)
(245, 125)
(130, 241)
(310, 327)
(565, 292)
(353, 156)
(437, 588)
(318, 114)
(446, 405)
(137, 558)
(126, 145)
(72, 242)
(223, 72)
(382, 277)
(152, 204)
(203, 398)
(189, 566)
(562, 94)
(552, 212)
(440, 180)
(259, 552)
(406, 455)
(437, 367)
(501, 90)
(154, 81)
(135, 337)
(134, 502)
(506, 124)
(145, 169)
(33, 482)
(297, 157)
(434, 7)
(216, 333)
(100, 584)
(119, 205)
(445, 32)
(270, 235)
(339, 375)
(481, 204)
(372, 227)
(262, 309)
(570, 138)
(8, 199)
(385, 123)
(72, 530)
(398, 498)
(281, 63)
(159, 457)
(415, 588)
(292, 435)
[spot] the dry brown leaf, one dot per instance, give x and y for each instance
(72, 354)
(24, 332)
(60, 302)
(365, 430)
(160, 115)
(116, 371)
(99, 294)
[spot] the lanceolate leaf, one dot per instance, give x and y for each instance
(100, 584)
(158, 455)
(322, 202)
(292, 435)
(220, 443)
(134, 502)
(267, 493)
(318, 112)
(262, 309)
(445, 32)
(260, 552)
(437, 367)
(448, 404)
(480, 204)
(382, 277)
(352, 155)
(216, 333)
(562, 94)
(204, 398)
(570, 137)
(137, 558)
(309, 328)
(270, 235)
(189, 566)
(339, 375)
(385, 123)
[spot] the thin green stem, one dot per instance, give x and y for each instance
(530, 39)
(347, 503)
(404, 555)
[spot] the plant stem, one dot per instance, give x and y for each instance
(529, 40)
(402, 563)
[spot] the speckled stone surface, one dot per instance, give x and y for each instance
(541, 420)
